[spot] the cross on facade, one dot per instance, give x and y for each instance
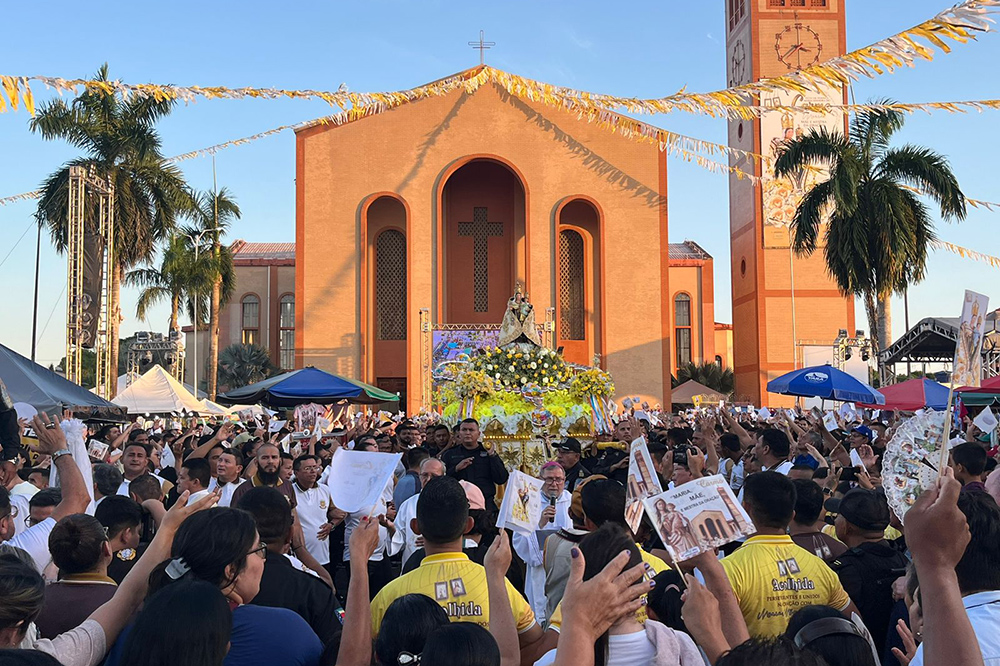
(483, 46)
(480, 229)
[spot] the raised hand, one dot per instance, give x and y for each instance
(364, 540)
(51, 438)
(592, 606)
(498, 557)
(937, 532)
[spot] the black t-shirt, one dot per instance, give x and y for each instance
(867, 573)
(283, 586)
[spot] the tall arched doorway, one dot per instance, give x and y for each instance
(385, 219)
(483, 204)
(579, 291)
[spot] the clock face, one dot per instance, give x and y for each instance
(737, 64)
(798, 46)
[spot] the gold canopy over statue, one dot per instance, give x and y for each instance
(519, 321)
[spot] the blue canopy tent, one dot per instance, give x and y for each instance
(307, 385)
(48, 392)
(825, 381)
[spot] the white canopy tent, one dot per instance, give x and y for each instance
(157, 392)
(123, 383)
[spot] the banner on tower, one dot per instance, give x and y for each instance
(781, 196)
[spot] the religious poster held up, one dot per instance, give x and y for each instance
(642, 482)
(968, 367)
(697, 517)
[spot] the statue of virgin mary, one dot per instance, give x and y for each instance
(519, 321)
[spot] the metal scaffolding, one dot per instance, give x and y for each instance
(77, 301)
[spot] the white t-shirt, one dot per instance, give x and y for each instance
(35, 541)
(123, 488)
(227, 491)
(19, 505)
(311, 507)
(24, 488)
(633, 649)
(404, 539)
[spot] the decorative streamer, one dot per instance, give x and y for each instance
(958, 24)
(965, 252)
(599, 416)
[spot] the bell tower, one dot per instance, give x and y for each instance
(780, 301)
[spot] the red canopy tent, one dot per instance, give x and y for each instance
(991, 385)
(913, 394)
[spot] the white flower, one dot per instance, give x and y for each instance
(545, 380)
(497, 375)
(545, 365)
(511, 368)
(524, 380)
(506, 382)
(533, 365)
(489, 367)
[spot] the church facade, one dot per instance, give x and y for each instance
(429, 215)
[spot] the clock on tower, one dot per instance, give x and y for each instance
(798, 46)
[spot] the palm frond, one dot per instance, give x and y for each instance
(928, 171)
(816, 147)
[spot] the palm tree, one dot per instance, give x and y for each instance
(215, 211)
(241, 364)
(879, 230)
(712, 375)
(119, 140)
(178, 279)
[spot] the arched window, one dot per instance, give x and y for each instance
(572, 303)
(286, 333)
(682, 329)
(390, 285)
(251, 319)
(718, 360)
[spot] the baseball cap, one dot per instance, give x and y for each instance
(570, 444)
(866, 509)
(864, 430)
(474, 495)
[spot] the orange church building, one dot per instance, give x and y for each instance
(428, 214)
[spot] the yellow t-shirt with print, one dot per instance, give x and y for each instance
(655, 563)
(458, 585)
(773, 577)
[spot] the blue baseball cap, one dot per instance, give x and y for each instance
(866, 431)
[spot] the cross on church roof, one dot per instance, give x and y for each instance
(483, 46)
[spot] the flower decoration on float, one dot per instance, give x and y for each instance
(594, 382)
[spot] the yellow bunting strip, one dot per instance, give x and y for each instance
(966, 253)
(958, 24)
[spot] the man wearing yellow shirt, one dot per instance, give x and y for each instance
(446, 574)
(771, 575)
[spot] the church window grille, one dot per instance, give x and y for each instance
(572, 309)
(390, 285)
(682, 329)
(286, 332)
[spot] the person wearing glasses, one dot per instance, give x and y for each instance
(222, 546)
(556, 501)
(317, 514)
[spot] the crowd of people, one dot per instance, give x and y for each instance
(220, 544)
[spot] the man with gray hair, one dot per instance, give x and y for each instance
(403, 539)
(107, 479)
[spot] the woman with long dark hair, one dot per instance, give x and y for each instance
(221, 546)
(461, 644)
(200, 624)
(406, 626)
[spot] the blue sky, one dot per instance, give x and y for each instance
(635, 48)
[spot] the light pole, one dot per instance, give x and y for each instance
(196, 240)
